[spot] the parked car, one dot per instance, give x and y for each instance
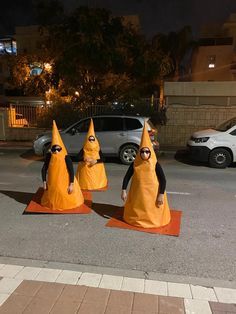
(118, 135)
(215, 146)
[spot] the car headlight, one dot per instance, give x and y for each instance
(201, 139)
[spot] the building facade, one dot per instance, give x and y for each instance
(215, 57)
(8, 49)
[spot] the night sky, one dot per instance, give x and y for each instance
(155, 15)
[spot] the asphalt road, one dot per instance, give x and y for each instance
(205, 248)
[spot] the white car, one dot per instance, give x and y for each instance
(215, 146)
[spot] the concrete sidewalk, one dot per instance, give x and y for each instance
(16, 144)
(25, 289)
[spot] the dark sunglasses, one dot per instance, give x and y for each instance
(91, 139)
(145, 151)
(57, 149)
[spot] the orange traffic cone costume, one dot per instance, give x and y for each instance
(91, 177)
(56, 196)
(141, 208)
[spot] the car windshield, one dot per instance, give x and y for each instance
(226, 125)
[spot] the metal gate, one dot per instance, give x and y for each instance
(20, 115)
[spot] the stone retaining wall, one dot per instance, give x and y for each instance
(183, 120)
(22, 134)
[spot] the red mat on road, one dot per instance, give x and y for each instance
(172, 229)
(35, 206)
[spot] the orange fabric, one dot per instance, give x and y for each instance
(36, 207)
(141, 208)
(56, 196)
(172, 229)
(91, 149)
(145, 142)
(91, 177)
(56, 138)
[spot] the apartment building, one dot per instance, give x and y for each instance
(8, 49)
(215, 57)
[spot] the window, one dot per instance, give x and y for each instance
(111, 124)
(36, 71)
(233, 132)
(211, 62)
(8, 46)
(216, 41)
(98, 123)
(81, 126)
(132, 124)
(226, 125)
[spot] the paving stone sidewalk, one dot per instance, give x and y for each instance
(42, 290)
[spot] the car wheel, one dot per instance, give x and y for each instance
(128, 154)
(46, 148)
(220, 158)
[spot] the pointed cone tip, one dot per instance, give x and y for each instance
(56, 137)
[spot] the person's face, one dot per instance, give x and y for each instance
(91, 139)
(145, 153)
(56, 149)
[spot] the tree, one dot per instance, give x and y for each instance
(96, 56)
(175, 45)
(31, 73)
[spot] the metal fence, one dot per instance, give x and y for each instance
(145, 108)
(22, 115)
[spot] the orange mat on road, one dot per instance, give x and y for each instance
(97, 190)
(172, 229)
(35, 206)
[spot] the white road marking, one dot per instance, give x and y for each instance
(181, 193)
(5, 183)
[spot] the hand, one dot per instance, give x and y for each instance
(123, 195)
(87, 160)
(92, 162)
(160, 200)
(45, 185)
(70, 188)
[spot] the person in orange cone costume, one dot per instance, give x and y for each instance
(61, 191)
(146, 205)
(91, 172)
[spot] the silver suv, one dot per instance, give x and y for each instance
(118, 136)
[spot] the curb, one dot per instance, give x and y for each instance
(206, 282)
(15, 145)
